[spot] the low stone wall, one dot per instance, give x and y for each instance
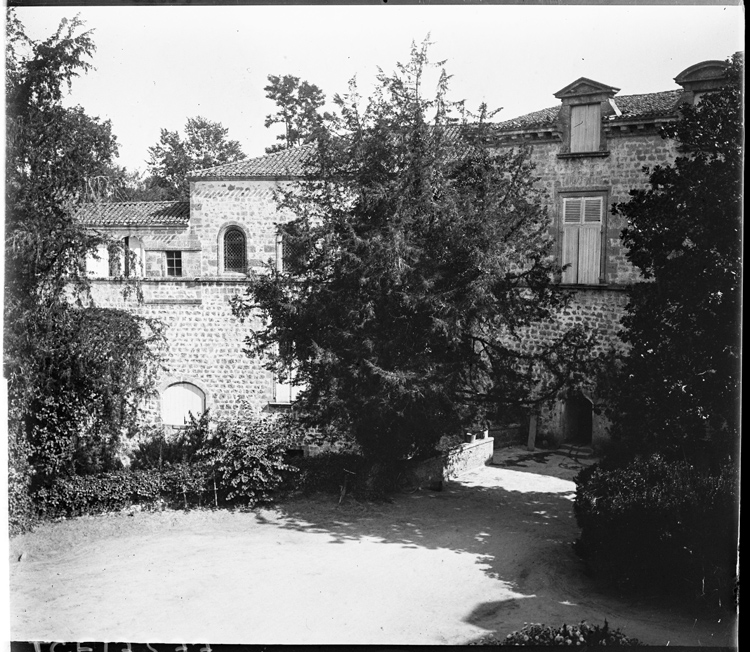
(468, 456)
(510, 435)
(431, 473)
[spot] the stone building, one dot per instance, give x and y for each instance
(589, 151)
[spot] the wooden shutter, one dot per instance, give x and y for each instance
(581, 239)
(572, 207)
(585, 127)
(590, 241)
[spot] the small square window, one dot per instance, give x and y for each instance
(174, 263)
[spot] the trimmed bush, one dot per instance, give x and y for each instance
(94, 494)
(660, 525)
(582, 634)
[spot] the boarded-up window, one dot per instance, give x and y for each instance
(179, 401)
(585, 126)
(582, 239)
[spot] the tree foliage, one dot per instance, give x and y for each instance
(415, 265)
(75, 372)
(299, 103)
(204, 145)
(679, 386)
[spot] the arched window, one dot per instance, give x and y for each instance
(179, 401)
(235, 251)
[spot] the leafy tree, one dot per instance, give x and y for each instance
(115, 183)
(204, 145)
(415, 266)
(74, 372)
(679, 386)
(299, 104)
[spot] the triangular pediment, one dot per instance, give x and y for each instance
(584, 86)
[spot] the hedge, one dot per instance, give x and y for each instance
(660, 525)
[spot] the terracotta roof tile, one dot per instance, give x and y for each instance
(535, 119)
(650, 104)
(292, 162)
(632, 106)
(286, 163)
(135, 213)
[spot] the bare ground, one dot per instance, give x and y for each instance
(483, 556)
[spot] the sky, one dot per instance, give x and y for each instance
(157, 66)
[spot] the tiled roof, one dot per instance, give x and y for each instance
(135, 213)
(286, 163)
(292, 162)
(632, 107)
(534, 119)
(649, 105)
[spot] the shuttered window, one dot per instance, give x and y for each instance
(585, 127)
(179, 401)
(582, 223)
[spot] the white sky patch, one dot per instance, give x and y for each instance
(157, 66)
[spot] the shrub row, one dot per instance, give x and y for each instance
(181, 484)
(660, 525)
(239, 462)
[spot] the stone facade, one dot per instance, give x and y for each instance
(589, 152)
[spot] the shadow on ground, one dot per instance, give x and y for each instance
(520, 527)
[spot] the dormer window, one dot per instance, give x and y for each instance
(585, 127)
(584, 103)
(702, 78)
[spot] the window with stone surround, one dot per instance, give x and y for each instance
(284, 391)
(133, 256)
(174, 263)
(289, 255)
(234, 250)
(582, 223)
(288, 258)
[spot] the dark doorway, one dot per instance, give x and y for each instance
(577, 420)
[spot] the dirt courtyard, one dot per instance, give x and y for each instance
(483, 556)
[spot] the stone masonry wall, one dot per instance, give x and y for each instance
(204, 340)
(616, 174)
(598, 309)
(248, 204)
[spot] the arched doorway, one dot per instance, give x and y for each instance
(578, 420)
